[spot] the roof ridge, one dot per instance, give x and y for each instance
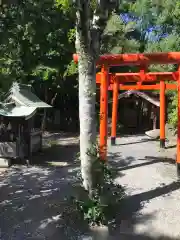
(23, 95)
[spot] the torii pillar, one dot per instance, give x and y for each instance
(114, 110)
(162, 114)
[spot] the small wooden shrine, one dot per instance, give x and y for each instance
(18, 137)
(139, 110)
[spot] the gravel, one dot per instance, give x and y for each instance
(32, 199)
(152, 209)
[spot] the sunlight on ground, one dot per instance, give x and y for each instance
(59, 164)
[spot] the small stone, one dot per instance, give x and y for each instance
(155, 133)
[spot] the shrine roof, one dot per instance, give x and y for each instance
(10, 110)
(22, 95)
(143, 95)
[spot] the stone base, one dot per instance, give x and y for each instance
(4, 162)
(155, 134)
(178, 169)
(100, 232)
(162, 143)
(113, 141)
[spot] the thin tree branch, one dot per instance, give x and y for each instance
(99, 21)
(83, 23)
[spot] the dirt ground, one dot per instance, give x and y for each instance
(33, 199)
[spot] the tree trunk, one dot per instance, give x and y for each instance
(138, 113)
(87, 99)
(90, 25)
(154, 117)
(43, 123)
(53, 99)
(87, 91)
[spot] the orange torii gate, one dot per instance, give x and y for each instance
(117, 82)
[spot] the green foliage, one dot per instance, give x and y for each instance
(37, 39)
(72, 69)
(92, 210)
(34, 34)
(164, 15)
(100, 207)
(44, 72)
(169, 19)
(173, 111)
(72, 35)
(64, 5)
(114, 39)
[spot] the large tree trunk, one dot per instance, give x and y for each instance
(87, 91)
(87, 99)
(90, 25)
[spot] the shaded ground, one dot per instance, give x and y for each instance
(32, 199)
(152, 208)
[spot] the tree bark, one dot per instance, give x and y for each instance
(154, 117)
(87, 90)
(53, 99)
(89, 27)
(43, 123)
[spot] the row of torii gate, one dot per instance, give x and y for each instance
(118, 81)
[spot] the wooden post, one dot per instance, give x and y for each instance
(162, 114)
(178, 126)
(114, 111)
(154, 109)
(103, 112)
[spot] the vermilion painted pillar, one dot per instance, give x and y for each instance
(103, 112)
(114, 110)
(178, 125)
(162, 114)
